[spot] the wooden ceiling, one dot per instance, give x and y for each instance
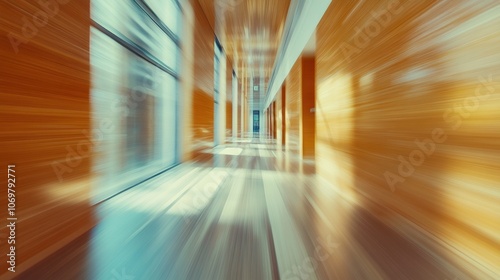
(249, 31)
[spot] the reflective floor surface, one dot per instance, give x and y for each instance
(246, 210)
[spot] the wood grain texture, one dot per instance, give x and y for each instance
(308, 99)
(293, 106)
(203, 91)
(229, 119)
(229, 99)
(300, 99)
(391, 75)
(275, 116)
(266, 216)
(203, 119)
(187, 81)
(44, 109)
(249, 31)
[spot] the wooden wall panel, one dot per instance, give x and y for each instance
(203, 102)
(203, 119)
(187, 79)
(293, 106)
(279, 121)
(44, 109)
(273, 119)
(229, 119)
(229, 99)
(300, 99)
(308, 137)
(407, 118)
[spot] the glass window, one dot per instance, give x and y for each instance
(134, 94)
(168, 12)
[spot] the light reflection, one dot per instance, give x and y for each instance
(96, 127)
(134, 97)
(198, 197)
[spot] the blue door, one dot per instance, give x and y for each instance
(256, 122)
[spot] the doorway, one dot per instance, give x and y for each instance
(256, 122)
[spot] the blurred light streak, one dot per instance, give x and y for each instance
(85, 121)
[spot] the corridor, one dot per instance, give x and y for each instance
(250, 139)
(243, 211)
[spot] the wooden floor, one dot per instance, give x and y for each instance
(246, 210)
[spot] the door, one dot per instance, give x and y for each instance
(256, 122)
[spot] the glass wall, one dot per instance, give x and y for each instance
(135, 53)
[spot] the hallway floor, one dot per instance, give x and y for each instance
(242, 211)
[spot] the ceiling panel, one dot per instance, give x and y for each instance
(249, 31)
